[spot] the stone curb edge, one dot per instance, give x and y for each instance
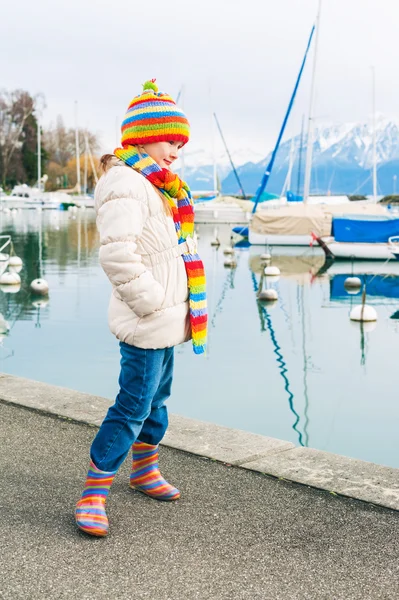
(369, 482)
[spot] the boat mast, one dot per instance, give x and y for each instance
(309, 147)
(85, 164)
(266, 175)
(300, 157)
(374, 140)
(183, 150)
(214, 167)
(77, 149)
(39, 153)
(93, 168)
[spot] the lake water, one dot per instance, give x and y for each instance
(299, 370)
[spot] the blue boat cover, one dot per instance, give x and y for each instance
(265, 197)
(361, 229)
(376, 285)
(241, 230)
(291, 197)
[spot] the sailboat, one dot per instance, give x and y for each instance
(297, 223)
(215, 208)
(364, 237)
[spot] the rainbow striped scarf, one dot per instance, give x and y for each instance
(178, 195)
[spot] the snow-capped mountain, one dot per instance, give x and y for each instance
(198, 168)
(353, 143)
(342, 162)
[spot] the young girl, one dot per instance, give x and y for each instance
(145, 218)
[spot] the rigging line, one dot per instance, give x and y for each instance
(364, 182)
(230, 159)
(331, 178)
(280, 362)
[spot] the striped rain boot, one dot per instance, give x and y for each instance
(145, 475)
(90, 510)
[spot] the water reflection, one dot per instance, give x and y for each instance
(267, 325)
(378, 287)
(49, 242)
(291, 371)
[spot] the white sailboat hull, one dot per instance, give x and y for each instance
(218, 213)
(259, 239)
(347, 250)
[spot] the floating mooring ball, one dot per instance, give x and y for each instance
(9, 278)
(39, 286)
(15, 261)
(363, 313)
(268, 295)
(272, 271)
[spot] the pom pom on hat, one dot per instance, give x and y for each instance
(150, 85)
(154, 117)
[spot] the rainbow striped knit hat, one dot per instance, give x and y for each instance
(154, 117)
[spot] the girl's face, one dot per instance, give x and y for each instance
(164, 153)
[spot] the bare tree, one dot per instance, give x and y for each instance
(60, 142)
(15, 109)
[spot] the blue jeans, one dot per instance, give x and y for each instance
(139, 412)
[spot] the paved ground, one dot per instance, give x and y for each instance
(234, 534)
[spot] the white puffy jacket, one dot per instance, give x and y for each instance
(141, 256)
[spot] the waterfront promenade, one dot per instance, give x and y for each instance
(234, 534)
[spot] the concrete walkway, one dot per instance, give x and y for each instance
(235, 534)
(346, 476)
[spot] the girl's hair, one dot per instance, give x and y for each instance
(106, 163)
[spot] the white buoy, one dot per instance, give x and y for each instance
(271, 271)
(15, 261)
(268, 295)
(266, 256)
(10, 289)
(353, 283)
(231, 263)
(364, 313)
(39, 286)
(9, 278)
(228, 250)
(15, 269)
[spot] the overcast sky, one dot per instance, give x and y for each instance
(237, 57)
